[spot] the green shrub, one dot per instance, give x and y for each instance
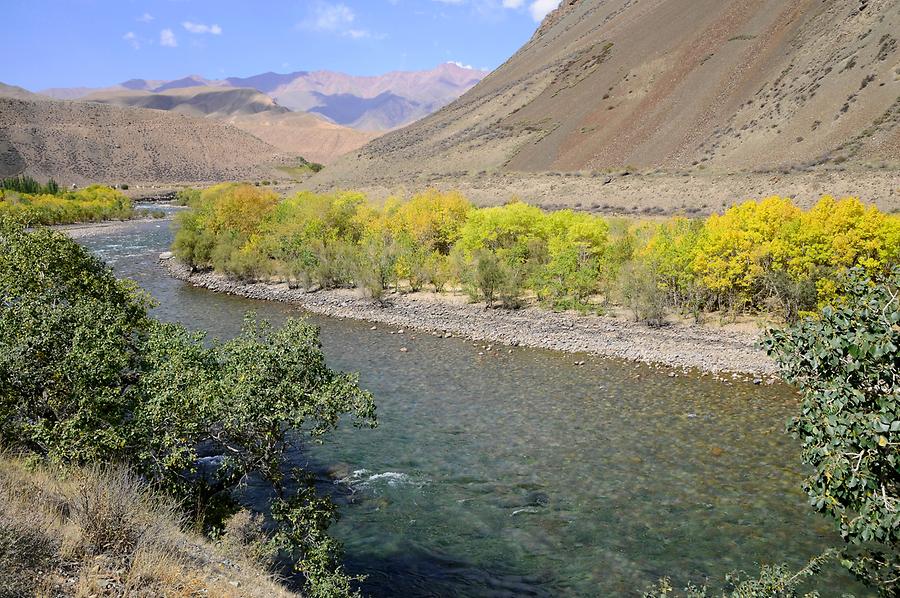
(642, 294)
(26, 184)
(187, 197)
(773, 582)
(845, 362)
(489, 275)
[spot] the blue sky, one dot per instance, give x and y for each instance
(68, 43)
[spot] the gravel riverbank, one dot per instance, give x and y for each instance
(81, 230)
(678, 346)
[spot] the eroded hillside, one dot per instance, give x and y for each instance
(678, 85)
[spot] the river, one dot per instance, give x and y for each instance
(518, 473)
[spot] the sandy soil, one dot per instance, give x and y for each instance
(696, 193)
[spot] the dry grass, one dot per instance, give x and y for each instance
(102, 532)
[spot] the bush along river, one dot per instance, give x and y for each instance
(514, 472)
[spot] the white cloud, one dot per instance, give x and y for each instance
(132, 39)
(537, 8)
(330, 17)
(200, 28)
(145, 18)
(337, 19)
(167, 38)
(461, 65)
(541, 8)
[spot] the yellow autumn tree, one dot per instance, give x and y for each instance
(735, 249)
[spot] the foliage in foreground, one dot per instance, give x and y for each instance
(847, 365)
(775, 581)
(91, 204)
(758, 256)
(86, 376)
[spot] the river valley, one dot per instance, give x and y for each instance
(514, 472)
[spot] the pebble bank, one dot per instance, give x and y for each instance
(683, 347)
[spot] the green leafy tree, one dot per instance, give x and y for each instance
(846, 362)
(489, 275)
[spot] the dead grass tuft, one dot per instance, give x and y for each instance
(103, 532)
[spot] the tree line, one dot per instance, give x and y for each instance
(26, 184)
(759, 256)
(43, 207)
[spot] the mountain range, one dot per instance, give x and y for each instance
(306, 134)
(368, 103)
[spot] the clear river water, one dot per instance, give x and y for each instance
(518, 473)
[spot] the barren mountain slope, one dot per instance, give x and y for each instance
(79, 142)
(193, 101)
(308, 135)
(378, 102)
(672, 84)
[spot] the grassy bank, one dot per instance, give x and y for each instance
(757, 257)
(90, 531)
(91, 204)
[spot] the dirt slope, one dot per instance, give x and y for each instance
(79, 142)
(308, 135)
(722, 85)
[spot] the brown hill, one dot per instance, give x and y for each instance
(79, 142)
(14, 91)
(303, 133)
(193, 101)
(722, 85)
(308, 135)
